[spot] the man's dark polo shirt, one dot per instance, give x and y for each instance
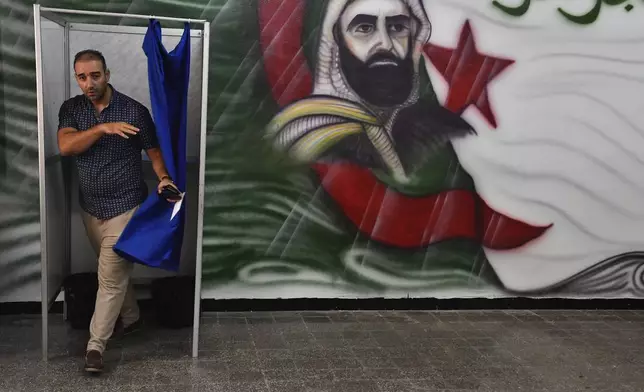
(110, 172)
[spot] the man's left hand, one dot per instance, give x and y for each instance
(168, 182)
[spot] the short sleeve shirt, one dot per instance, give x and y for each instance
(110, 172)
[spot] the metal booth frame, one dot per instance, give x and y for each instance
(54, 15)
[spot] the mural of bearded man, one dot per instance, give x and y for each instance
(377, 197)
(366, 105)
(379, 140)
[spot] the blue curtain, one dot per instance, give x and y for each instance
(154, 235)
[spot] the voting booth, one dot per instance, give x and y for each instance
(59, 35)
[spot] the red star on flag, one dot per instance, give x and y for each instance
(468, 73)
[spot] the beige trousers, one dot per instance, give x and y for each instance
(115, 292)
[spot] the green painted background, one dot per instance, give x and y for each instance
(255, 199)
(267, 223)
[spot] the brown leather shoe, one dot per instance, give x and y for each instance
(93, 361)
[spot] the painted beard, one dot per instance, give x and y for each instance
(380, 85)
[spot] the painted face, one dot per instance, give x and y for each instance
(374, 37)
(92, 78)
(369, 27)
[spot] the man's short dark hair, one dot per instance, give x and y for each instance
(90, 54)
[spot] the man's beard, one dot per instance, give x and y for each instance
(382, 85)
(95, 94)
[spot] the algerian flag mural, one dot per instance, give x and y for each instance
(443, 148)
(437, 148)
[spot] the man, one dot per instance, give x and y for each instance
(105, 131)
(366, 105)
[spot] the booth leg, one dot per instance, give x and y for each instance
(64, 307)
(202, 176)
(41, 182)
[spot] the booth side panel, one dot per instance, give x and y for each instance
(128, 74)
(53, 60)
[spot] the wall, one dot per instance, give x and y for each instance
(515, 170)
(501, 159)
(19, 221)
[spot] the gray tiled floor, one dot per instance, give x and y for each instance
(345, 352)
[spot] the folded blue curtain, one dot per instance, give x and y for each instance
(154, 235)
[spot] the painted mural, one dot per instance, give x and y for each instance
(436, 148)
(425, 148)
(19, 219)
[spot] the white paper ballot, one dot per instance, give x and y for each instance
(177, 206)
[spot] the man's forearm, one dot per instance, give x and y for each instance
(160, 170)
(73, 142)
(157, 163)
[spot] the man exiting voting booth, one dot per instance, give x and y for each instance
(106, 130)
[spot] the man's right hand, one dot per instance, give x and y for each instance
(120, 128)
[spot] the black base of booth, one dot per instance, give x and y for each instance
(320, 304)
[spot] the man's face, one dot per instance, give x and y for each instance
(374, 38)
(92, 78)
(370, 27)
